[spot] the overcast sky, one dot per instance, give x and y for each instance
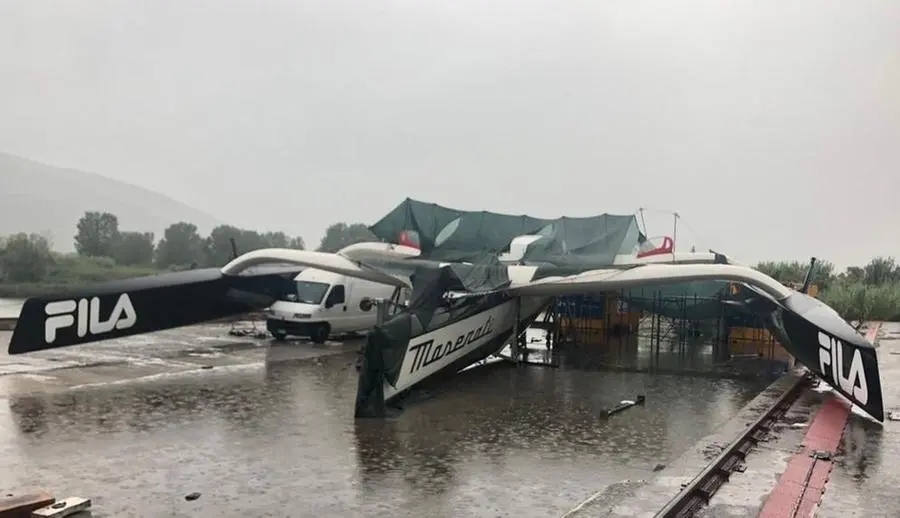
(772, 127)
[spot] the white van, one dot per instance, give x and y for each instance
(325, 304)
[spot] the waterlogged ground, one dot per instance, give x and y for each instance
(10, 308)
(269, 432)
(866, 477)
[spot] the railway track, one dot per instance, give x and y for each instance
(697, 493)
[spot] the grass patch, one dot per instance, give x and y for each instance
(73, 271)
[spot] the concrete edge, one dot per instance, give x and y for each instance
(8, 324)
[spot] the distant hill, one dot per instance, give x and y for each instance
(43, 199)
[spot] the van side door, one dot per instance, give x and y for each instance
(336, 307)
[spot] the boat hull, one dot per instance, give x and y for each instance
(443, 351)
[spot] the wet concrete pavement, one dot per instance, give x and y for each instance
(866, 474)
(9, 311)
(866, 477)
(138, 423)
(10, 308)
(745, 493)
(652, 494)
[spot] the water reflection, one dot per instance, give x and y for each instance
(143, 407)
(861, 447)
(425, 463)
(536, 439)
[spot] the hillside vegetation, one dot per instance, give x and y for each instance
(41, 199)
(103, 252)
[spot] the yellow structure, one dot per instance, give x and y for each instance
(744, 341)
(750, 341)
(617, 318)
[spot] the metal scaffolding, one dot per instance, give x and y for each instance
(660, 334)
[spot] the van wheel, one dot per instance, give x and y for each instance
(277, 331)
(320, 333)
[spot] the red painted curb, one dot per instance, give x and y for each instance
(872, 332)
(799, 491)
(800, 488)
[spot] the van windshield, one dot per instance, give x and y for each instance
(308, 292)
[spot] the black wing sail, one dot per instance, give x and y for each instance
(823, 341)
(147, 304)
(142, 305)
(810, 330)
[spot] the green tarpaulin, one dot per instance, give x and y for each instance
(456, 235)
(571, 245)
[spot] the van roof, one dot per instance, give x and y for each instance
(315, 275)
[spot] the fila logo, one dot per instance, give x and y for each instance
(831, 353)
(62, 314)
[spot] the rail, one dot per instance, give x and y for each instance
(698, 492)
(8, 324)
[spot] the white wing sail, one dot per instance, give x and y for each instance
(648, 275)
(336, 263)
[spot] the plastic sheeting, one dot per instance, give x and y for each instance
(448, 234)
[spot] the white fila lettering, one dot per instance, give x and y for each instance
(831, 353)
(62, 314)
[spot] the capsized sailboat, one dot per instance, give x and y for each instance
(457, 314)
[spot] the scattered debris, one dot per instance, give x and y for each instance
(820, 455)
(626, 404)
(712, 450)
(248, 332)
(23, 505)
(192, 496)
(63, 508)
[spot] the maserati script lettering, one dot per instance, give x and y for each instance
(831, 354)
(62, 314)
(428, 352)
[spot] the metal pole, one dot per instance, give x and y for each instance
(658, 318)
(382, 310)
(674, 232)
(514, 346)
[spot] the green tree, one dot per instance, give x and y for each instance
(795, 271)
(282, 240)
(881, 270)
(854, 274)
(274, 240)
(297, 243)
(24, 258)
(134, 248)
(217, 247)
(96, 234)
(339, 235)
(181, 245)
